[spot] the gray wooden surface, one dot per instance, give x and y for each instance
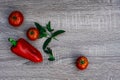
(92, 29)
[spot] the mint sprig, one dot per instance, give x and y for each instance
(49, 33)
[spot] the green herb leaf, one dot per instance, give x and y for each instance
(43, 35)
(55, 39)
(46, 51)
(51, 58)
(41, 29)
(46, 43)
(57, 33)
(50, 50)
(48, 26)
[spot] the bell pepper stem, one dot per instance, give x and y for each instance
(12, 41)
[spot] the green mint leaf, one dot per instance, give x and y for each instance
(48, 26)
(43, 35)
(51, 58)
(38, 26)
(46, 43)
(50, 50)
(55, 39)
(46, 51)
(41, 29)
(57, 33)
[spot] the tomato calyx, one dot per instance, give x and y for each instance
(82, 61)
(32, 32)
(14, 18)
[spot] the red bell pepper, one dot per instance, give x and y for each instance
(24, 49)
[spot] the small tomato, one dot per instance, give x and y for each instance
(33, 33)
(82, 62)
(16, 18)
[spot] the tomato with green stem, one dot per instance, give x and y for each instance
(82, 62)
(33, 33)
(16, 18)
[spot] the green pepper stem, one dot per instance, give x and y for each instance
(12, 41)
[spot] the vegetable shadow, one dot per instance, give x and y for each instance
(75, 54)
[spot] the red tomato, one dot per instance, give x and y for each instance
(82, 62)
(33, 33)
(16, 18)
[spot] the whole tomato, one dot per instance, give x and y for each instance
(82, 62)
(16, 18)
(33, 33)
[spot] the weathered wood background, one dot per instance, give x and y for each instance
(92, 29)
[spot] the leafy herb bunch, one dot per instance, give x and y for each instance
(49, 33)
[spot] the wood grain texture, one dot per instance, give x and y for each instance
(92, 29)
